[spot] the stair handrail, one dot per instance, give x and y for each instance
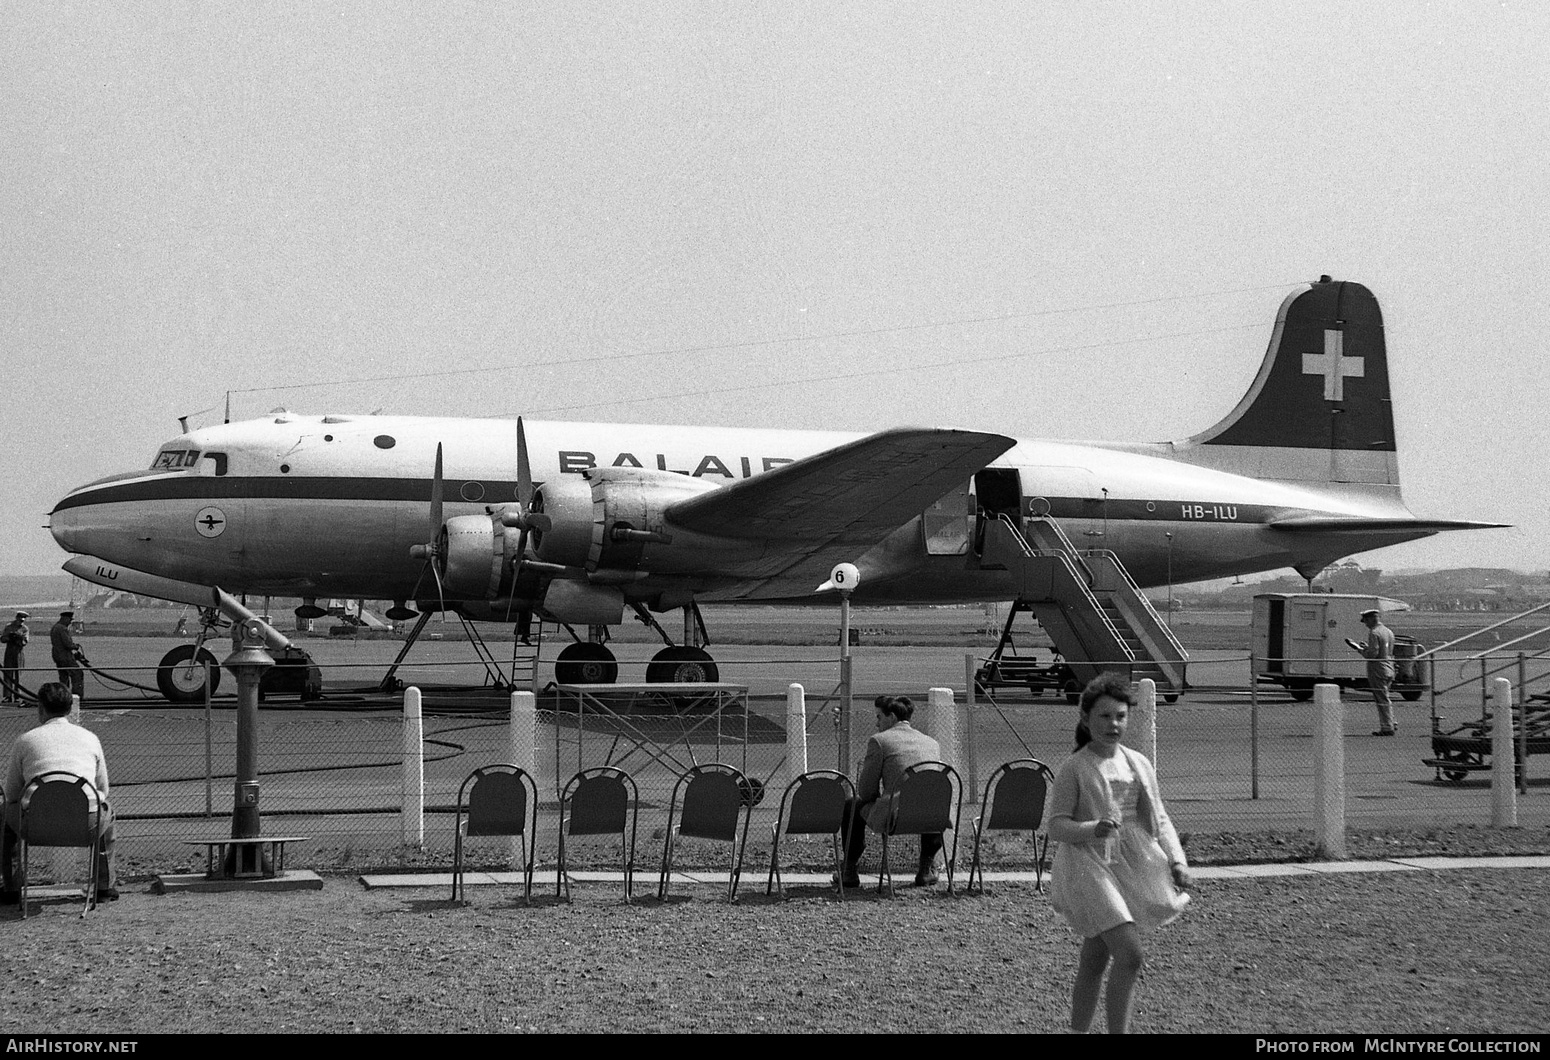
(1072, 563)
(1060, 535)
(1487, 629)
(1142, 600)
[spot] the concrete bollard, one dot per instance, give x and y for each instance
(941, 722)
(1329, 773)
(1143, 720)
(1504, 784)
(411, 814)
(522, 753)
(796, 732)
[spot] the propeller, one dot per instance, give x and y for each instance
(524, 517)
(436, 549)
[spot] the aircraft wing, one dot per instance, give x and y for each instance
(831, 507)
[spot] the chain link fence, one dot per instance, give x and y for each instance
(1233, 757)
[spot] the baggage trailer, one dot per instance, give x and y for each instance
(1464, 750)
(1299, 640)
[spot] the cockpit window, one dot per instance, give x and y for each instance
(219, 459)
(175, 459)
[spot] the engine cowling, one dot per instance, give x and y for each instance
(604, 518)
(478, 551)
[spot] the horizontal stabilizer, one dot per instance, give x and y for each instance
(1319, 524)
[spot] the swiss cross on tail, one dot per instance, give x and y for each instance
(1333, 365)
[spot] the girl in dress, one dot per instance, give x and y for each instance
(1119, 869)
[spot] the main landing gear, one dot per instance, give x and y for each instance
(591, 662)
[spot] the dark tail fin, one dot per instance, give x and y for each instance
(1319, 410)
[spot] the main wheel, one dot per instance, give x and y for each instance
(682, 666)
(181, 674)
(1072, 689)
(1411, 694)
(1301, 689)
(586, 664)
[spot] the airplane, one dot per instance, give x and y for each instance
(500, 520)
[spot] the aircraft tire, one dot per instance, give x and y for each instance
(181, 674)
(1411, 694)
(682, 665)
(586, 664)
(1073, 690)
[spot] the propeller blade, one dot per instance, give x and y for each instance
(437, 488)
(524, 470)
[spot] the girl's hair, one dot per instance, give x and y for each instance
(1115, 686)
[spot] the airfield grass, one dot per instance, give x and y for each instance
(1450, 951)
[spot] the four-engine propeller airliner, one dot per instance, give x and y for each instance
(576, 522)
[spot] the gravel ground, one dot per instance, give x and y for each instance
(1444, 951)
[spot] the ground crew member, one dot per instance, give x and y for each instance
(1379, 653)
(68, 658)
(16, 635)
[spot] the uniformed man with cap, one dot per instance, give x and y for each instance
(16, 635)
(68, 658)
(1379, 653)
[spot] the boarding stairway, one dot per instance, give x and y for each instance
(1092, 609)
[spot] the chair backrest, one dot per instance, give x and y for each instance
(57, 810)
(924, 800)
(497, 802)
(815, 803)
(1015, 796)
(598, 801)
(712, 802)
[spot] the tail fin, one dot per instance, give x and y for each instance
(1319, 411)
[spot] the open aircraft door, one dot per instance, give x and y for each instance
(998, 491)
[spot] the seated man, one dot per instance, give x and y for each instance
(56, 744)
(895, 747)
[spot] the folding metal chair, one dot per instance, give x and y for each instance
(929, 799)
(1014, 802)
(497, 800)
(813, 804)
(713, 800)
(600, 801)
(60, 810)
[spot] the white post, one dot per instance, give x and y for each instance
(796, 731)
(1504, 790)
(411, 814)
(1329, 773)
(941, 721)
(971, 766)
(521, 752)
(1143, 722)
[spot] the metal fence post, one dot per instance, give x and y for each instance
(842, 717)
(209, 745)
(1329, 773)
(1522, 771)
(1253, 730)
(970, 747)
(1504, 792)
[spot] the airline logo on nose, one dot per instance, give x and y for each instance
(1333, 366)
(210, 522)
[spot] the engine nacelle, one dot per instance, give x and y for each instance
(604, 518)
(478, 552)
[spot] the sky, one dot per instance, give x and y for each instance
(1051, 221)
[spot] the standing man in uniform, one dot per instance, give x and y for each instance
(16, 636)
(891, 750)
(68, 658)
(1379, 652)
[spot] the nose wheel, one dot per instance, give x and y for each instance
(181, 674)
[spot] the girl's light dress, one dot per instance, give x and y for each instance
(1126, 878)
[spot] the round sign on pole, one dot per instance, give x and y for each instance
(844, 577)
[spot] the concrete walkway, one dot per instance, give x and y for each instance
(756, 874)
